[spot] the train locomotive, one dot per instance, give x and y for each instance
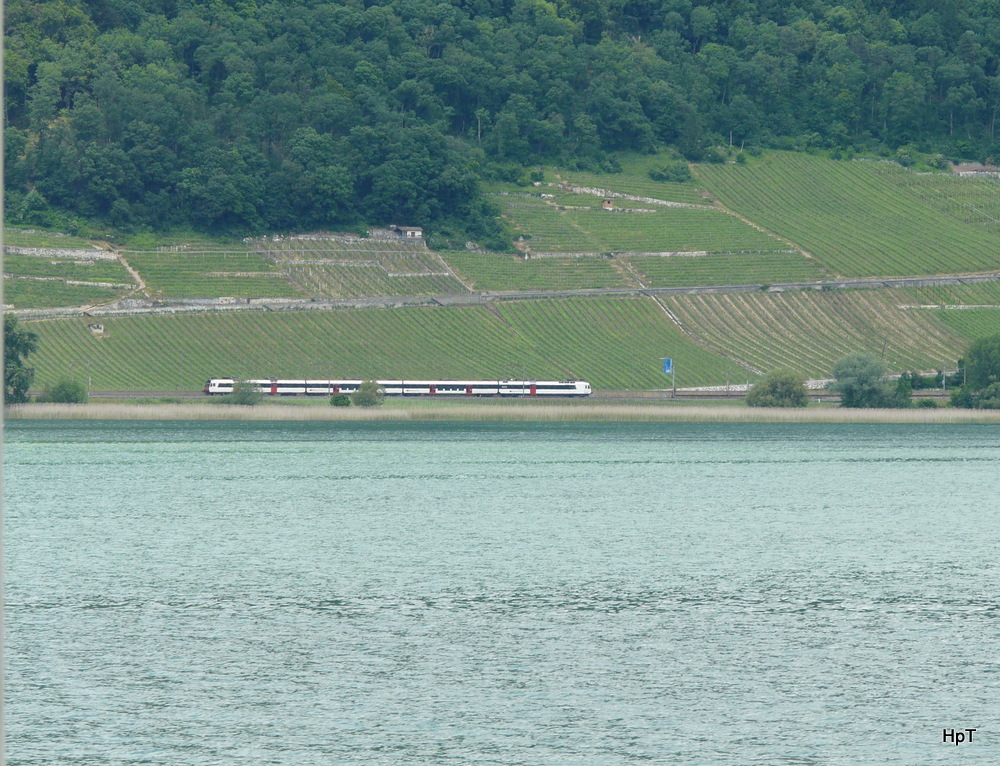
(288, 387)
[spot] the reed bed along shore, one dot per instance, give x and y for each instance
(544, 413)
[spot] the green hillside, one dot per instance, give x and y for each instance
(569, 243)
(615, 343)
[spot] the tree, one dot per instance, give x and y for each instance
(779, 389)
(369, 394)
(982, 362)
(981, 389)
(17, 376)
(859, 382)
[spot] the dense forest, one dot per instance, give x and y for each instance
(244, 116)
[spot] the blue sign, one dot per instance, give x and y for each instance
(668, 366)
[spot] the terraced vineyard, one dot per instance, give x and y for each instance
(742, 269)
(808, 331)
(66, 269)
(849, 218)
(48, 270)
(633, 179)
(344, 267)
(181, 352)
(591, 230)
(511, 272)
(614, 343)
(970, 199)
(544, 228)
(33, 294)
(985, 293)
(195, 274)
(970, 323)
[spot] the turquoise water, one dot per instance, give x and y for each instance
(305, 594)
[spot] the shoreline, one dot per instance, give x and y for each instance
(529, 413)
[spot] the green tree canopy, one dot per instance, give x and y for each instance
(982, 362)
(780, 388)
(227, 114)
(859, 382)
(17, 375)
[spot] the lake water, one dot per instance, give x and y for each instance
(306, 594)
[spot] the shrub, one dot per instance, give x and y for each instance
(929, 404)
(779, 389)
(369, 394)
(66, 391)
(905, 156)
(918, 381)
(340, 400)
(961, 397)
(673, 172)
(713, 155)
(245, 393)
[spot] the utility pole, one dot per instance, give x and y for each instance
(669, 367)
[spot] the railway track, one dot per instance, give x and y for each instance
(609, 396)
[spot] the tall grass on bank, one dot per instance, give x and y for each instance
(544, 413)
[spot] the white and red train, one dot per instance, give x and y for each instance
(282, 387)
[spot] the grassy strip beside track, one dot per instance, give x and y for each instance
(852, 216)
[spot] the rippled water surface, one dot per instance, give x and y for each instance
(307, 594)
